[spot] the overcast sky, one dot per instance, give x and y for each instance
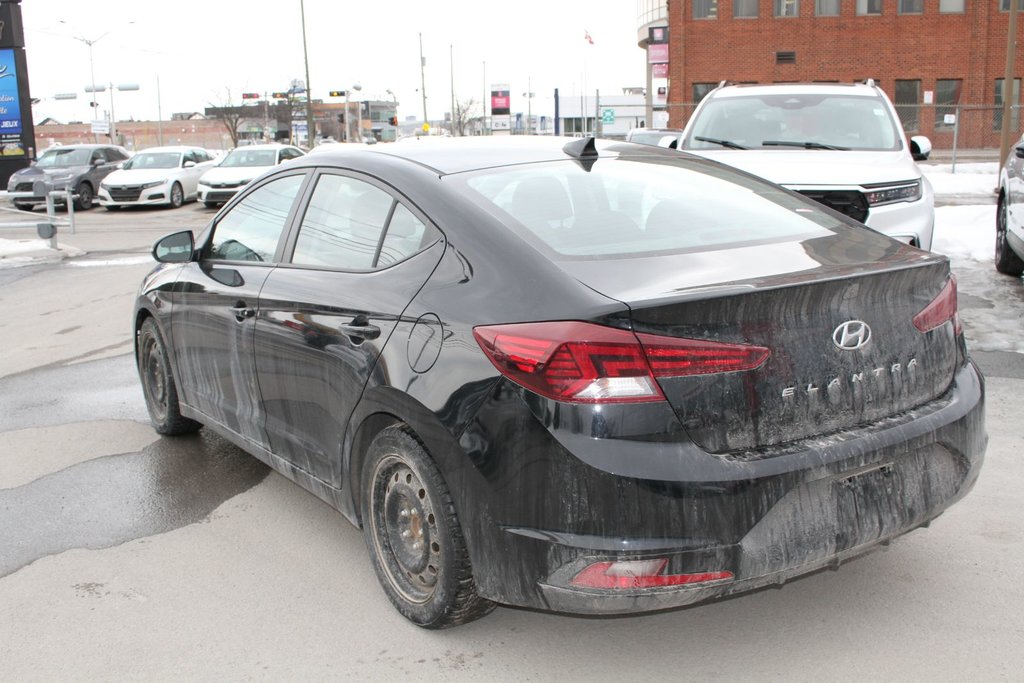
(199, 50)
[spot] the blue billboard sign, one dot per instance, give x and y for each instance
(11, 144)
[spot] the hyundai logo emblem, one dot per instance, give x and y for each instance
(852, 335)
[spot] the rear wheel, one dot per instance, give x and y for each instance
(413, 535)
(177, 196)
(84, 201)
(158, 383)
(1007, 262)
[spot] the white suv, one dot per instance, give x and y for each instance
(841, 144)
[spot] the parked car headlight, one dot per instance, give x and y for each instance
(146, 186)
(895, 192)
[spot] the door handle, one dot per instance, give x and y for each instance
(360, 329)
(242, 311)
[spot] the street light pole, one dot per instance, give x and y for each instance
(309, 95)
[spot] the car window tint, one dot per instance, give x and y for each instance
(405, 236)
(251, 229)
(343, 224)
(624, 206)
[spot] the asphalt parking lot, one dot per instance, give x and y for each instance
(128, 556)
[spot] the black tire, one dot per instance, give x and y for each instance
(158, 384)
(413, 534)
(177, 196)
(1007, 262)
(84, 192)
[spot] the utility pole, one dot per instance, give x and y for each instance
(423, 81)
(451, 76)
(1011, 41)
(309, 95)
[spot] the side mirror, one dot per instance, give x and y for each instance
(1019, 150)
(98, 162)
(178, 247)
(920, 147)
(189, 164)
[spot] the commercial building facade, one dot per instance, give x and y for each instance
(936, 59)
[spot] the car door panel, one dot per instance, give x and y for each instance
(319, 334)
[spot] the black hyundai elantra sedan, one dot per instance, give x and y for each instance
(585, 377)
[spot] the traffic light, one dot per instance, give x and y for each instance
(337, 93)
(250, 96)
(280, 95)
(393, 120)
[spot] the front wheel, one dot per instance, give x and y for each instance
(177, 196)
(84, 201)
(413, 535)
(1007, 262)
(158, 383)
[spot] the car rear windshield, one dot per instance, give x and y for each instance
(250, 157)
(57, 158)
(794, 121)
(622, 207)
(154, 160)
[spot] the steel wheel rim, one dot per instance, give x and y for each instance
(176, 196)
(404, 528)
(154, 377)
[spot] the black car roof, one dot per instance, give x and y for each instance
(457, 155)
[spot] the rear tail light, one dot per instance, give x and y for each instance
(942, 308)
(587, 363)
(633, 574)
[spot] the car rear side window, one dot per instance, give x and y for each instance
(621, 206)
(353, 225)
(252, 228)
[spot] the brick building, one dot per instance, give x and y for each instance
(932, 57)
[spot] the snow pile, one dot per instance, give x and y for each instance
(970, 179)
(965, 232)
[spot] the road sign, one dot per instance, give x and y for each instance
(102, 127)
(949, 119)
(607, 116)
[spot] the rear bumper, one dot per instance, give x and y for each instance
(548, 514)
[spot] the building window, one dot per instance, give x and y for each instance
(908, 101)
(951, 6)
(947, 96)
(826, 8)
(997, 116)
(702, 89)
(911, 7)
(705, 9)
(871, 7)
(1004, 5)
(744, 9)
(787, 8)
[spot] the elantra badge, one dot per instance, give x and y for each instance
(852, 335)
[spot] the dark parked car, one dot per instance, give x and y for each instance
(79, 167)
(591, 378)
(1009, 256)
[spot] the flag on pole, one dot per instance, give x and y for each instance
(586, 36)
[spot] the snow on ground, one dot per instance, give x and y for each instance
(965, 232)
(976, 178)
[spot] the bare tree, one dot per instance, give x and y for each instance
(463, 115)
(229, 114)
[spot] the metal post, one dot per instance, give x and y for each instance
(70, 203)
(423, 81)
(159, 116)
(956, 132)
(1011, 40)
(310, 124)
(51, 215)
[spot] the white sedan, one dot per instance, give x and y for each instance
(159, 175)
(239, 168)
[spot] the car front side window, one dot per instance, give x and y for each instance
(252, 228)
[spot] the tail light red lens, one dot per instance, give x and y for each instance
(587, 363)
(942, 308)
(633, 574)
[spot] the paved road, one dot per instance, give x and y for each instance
(127, 556)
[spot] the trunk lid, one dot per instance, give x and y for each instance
(819, 378)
